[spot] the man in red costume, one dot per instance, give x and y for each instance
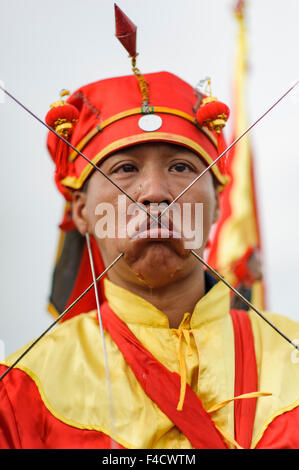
(184, 371)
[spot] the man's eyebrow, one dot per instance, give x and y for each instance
(126, 152)
(108, 157)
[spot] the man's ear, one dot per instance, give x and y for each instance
(79, 211)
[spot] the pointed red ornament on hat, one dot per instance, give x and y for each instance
(125, 31)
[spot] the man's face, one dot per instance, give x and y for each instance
(151, 173)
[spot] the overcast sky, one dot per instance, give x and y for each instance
(49, 45)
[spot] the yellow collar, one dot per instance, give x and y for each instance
(133, 309)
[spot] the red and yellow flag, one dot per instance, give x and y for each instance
(235, 249)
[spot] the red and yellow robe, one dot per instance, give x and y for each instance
(57, 395)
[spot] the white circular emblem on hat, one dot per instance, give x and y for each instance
(150, 122)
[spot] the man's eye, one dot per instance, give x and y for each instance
(126, 168)
(181, 167)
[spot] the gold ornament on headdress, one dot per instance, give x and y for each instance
(209, 111)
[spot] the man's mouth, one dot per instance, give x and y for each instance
(153, 230)
(156, 233)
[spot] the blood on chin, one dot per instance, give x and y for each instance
(153, 264)
(161, 249)
(158, 266)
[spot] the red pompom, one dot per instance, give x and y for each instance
(212, 114)
(62, 118)
(64, 113)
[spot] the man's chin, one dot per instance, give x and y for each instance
(157, 263)
(157, 246)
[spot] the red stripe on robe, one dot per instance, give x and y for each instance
(245, 377)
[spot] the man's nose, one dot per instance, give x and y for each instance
(153, 188)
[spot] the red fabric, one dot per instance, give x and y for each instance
(222, 146)
(245, 377)
(67, 223)
(282, 433)
(61, 159)
(25, 422)
(163, 386)
(241, 269)
(9, 435)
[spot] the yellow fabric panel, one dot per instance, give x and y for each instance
(67, 366)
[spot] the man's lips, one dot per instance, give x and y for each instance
(156, 233)
(150, 229)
